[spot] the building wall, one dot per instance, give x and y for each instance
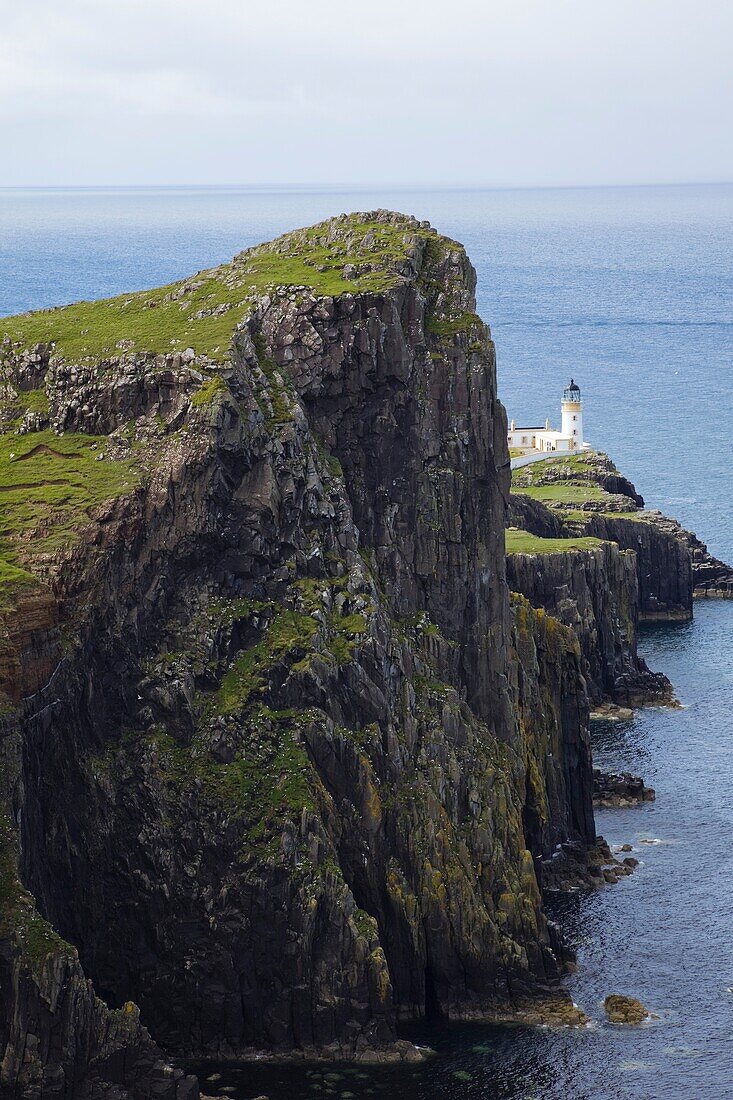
(552, 441)
(519, 438)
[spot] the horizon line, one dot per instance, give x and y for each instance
(321, 187)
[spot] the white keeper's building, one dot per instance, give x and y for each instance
(546, 439)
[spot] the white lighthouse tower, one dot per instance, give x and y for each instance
(572, 416)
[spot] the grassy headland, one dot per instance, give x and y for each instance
(341, 256)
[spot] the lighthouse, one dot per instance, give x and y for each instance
(572, 416)
(530, 444)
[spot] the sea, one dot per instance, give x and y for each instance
(630, 292)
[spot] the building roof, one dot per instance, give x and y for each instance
(533, 428)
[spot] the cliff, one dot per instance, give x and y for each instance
(281, 761)
(590, 586)
(711, 577)
(589, 497)
(586, 495)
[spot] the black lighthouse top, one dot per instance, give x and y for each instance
(572, 392)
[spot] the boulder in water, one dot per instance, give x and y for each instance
(624, 1010)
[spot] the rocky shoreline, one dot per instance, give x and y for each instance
(620, 789)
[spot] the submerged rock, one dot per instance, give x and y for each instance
(611, 712)
(621, 1009)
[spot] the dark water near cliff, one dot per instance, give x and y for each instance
(631, 291)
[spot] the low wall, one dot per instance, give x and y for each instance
(541, 456)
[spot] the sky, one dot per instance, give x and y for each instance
(495, 93)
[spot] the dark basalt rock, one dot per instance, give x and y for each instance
(584, 867)
(595, 592)
(664, 566)
(533, 516)
(672, 563)
(617, 789)
(711, 578)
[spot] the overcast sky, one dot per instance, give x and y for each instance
(478, 92)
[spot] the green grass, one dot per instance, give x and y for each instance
(569, 492)
(585, 517)
(273, 779)
(578, 463)
(161, 320)
(202, 312)
(522, 542)
(444, 328)
(13, 576)
(290, 635)
(209, 391)
(49, 485)
(290, 639)
(13, 409)
(35, 401)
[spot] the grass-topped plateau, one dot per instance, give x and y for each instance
(569, 492)
(523, 542)
(345, 255)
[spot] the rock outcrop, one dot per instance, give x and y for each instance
(664, 567)
(621, 1009)
(298, 762)
(594, 591)
(586, 495)
(711, 577)
(620, 789)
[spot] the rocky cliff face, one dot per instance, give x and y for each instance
(298, 761)
(595, 592)
(664, 567)
(586, 494)
(711, 577)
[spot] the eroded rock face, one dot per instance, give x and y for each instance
(595, 592)
(711, 577)
(589, 497)
(664, 566)
(291, 778)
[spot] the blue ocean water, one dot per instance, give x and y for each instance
(630, 291)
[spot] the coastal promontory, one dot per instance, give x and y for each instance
(284, 758)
